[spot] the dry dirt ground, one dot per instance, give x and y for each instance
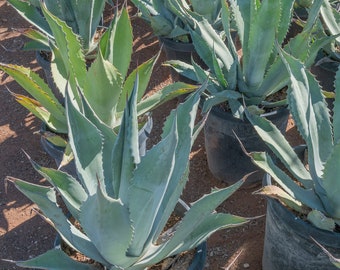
(24, 235)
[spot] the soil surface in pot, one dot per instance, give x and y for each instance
(23, 234)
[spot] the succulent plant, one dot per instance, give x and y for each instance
(243, 65)
(83, 17)
(105, 84)
(122, 201)
(165, 22)
(313, 191)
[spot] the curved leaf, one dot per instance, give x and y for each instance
(331, 182)
(45, 198)
(103, 89)
(118, 35)
(88, 159)
(69, 188)
(36, 86)
(54, 259)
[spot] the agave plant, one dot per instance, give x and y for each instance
(165, 22)
(83, 17)
(244, 67)
(105, 84)
(123, 201)
(313, 191)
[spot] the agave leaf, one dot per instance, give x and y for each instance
(31, 14)
(285, 21)
(63, 10)
(67, 157)
(102, 89)
(272, 136)
(145, 196)
(211, 47)
(218, 71)
(179, 176)
(331, 18)
(194, 71)
(108, 139)
(304, 195)
(205, 39)
(275, 79)
(179, 34)
(220, 97)
(192, 230)
(319, 220)
(298, 44)
(126, 149)
(108, 133)
(182, 68)
(203, 76)
(242, 15)
(163, 95)
(313, 15)
(144, 72)
(257, 52)
(118, 35)
(331, 182)
(207, 220)
(87, 18)
(88, 160)
(59, 70)
(35, 45)
(278, 193)
(336, 110)
(35, 107)
(178, 7)
(36, 87)
(310, 114)
(316, 46)
(70, 49)
(231, 74)
(69, 188)
(147, 7)
(39, 42)
(45, 198)
(111, 235)
(54, 259)
(208, 9)
(54, 138)
(160, 25)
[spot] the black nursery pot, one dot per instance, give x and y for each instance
(183, 52)
(226, 158)
(288, 243)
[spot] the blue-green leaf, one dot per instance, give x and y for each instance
(108, 226)
(88, 159)
(54, 259)
(126, 149)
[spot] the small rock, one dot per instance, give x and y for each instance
(246, 265)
